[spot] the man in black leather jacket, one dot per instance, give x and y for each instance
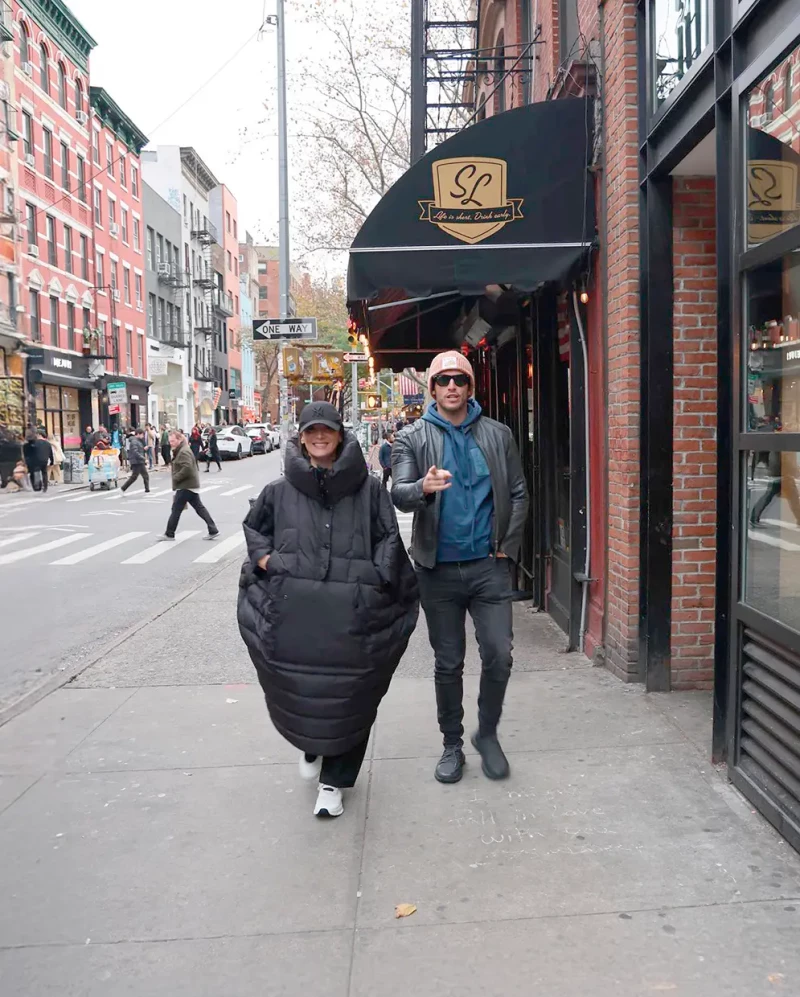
(461, 475)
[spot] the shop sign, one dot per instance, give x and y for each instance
(409, 400)
(157, 366)
(771, 198)
(61, 363)
(470, 200)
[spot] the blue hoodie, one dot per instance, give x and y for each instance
(467, 506)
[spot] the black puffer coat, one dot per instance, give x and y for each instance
(328, 621)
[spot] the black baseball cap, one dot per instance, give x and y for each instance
(320, 414)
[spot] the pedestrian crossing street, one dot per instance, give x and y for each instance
(136, 547)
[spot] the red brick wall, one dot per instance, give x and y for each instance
(695, 422)
(622, 255)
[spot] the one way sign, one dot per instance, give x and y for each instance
(285, 328)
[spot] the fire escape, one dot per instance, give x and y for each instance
(451, 73)
(177, 280)
(206, 235)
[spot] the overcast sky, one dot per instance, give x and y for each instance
(154, 54)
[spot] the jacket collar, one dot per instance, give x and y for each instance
(345, 477)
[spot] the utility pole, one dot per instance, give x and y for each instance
(278, 20)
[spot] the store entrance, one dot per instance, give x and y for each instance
(560, 451)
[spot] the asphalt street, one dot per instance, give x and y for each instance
(78, 568)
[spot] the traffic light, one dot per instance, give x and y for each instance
(352, 333)
(374, 402)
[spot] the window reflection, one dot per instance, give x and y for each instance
(773, 355)
(679, 36)
(772, 547)
(773, 152)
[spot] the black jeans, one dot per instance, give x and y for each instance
(39, 480)
(387, 475)
(341, 771)
(166, 453)
(138, 470)
(447, 593)
(184, 497)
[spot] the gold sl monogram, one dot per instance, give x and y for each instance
(470, 200)
(772, 203)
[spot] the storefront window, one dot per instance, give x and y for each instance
(679, 33)
(58, 410)
(772, 549)
(773, 152)
(773, 346)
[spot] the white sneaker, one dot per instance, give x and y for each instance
(329, 802)
(310, 770)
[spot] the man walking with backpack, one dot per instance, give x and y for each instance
(137, 458)
(460, 474)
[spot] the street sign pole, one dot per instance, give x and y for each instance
(354, 393)
(283, 215)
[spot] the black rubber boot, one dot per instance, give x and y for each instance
(451, 764)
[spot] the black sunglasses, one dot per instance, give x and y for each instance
(460, 380)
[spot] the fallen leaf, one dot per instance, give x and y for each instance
(404, 910)
(776, 977)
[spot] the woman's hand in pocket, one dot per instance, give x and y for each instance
(263, 562)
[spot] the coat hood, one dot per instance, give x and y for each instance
(345, 477)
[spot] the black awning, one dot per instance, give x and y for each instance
(507, 201)
(38, 376)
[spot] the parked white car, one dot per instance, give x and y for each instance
(272, 432)
(233, 442)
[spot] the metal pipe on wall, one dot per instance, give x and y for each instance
(585, 578)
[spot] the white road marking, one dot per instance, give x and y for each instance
(18, 555)
(782, 524)
(93, 495)
(235, 491)
(40, 526)
(773, 541)
(220, 548)
(144, 556)
(84, 555)
(17, 539)
(209, 488)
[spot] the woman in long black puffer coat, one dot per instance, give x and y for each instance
(327, 601)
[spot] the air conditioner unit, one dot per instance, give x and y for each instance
(82, 117)
(113, 230)
(33, 250)
(30, 159)
(27, 68)
(115, 295)
(164, 269)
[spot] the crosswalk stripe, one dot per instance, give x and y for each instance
(235, 491)
(210, 488)
(220, 549)
(782, 524)
(144, 556)
(773, 541)
(7, 541)
(18, 555)
(84, 555)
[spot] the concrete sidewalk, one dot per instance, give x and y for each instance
(156, 840)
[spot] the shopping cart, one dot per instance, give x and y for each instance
(104, 469)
